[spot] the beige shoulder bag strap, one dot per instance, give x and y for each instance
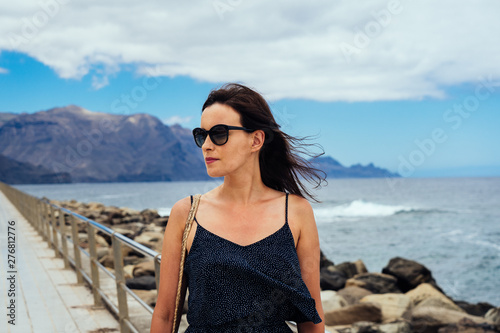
(187, 229)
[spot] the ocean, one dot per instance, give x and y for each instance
(450, 225)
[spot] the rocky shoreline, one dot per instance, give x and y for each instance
(404, 297)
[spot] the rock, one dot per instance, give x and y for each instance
(161, 221)
(332, 301)
(149, 238)
(394, 306)
(493, 315)
(144, 268)
(395, 327)
(128, 271)
(430, 319)
(332, 279)
(125, 232)
(148, 296)
(146, 282)
(126, 211)
(467, 326)
(132, 260)
(353, 294)
(149, 214)
(102, 252)
(409, 273)
(478, 309)
(154, 228)
(132, 218)
(354, 313)
(375, 282)
(352, 268)
(368, 327)
(427, 291)
(441, 302)
(99, 240)
(323, 260)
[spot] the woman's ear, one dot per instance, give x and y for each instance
(258, 140)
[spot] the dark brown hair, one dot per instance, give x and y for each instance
(281, 166)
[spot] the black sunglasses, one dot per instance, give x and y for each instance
(218, 134)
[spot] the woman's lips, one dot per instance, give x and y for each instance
(209, 160)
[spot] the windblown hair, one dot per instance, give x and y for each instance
(281, 166)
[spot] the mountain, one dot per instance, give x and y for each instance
(74, 144)
(101, 147)
(334, 169)
(14, 172)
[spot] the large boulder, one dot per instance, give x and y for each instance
(493, 315)
(323, 260)
(148, 296)
(394, 306)
(153, 240)
(468, 326)
(331, 278)
(353, 294)
(427, 295)
(478, 309)
(146, 282)
(377, 283)
(409, 273)
(144, 268)
(332, 301)
(431, 319)
(354, 313)
(334, 277)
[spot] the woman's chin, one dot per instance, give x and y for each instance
(214, 173)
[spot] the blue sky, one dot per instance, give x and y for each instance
(403, 85)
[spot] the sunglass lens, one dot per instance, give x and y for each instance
(219, 135)
(199, 136)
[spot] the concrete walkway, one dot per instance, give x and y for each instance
(47, 297)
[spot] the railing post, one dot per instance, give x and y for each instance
(93, 266)
(157, 271)
(46, 227)
(76, 249)
(55, 238)
(64, 241)
(120, 283)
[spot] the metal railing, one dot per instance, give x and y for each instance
(41, 214)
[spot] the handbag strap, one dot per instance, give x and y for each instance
(187, 229)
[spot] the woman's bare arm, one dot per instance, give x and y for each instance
(308, 251)
(163, 314)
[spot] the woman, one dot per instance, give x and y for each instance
(253, 250)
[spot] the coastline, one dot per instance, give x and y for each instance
(404, 295)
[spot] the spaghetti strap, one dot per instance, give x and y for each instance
(195, 215)
(286, 209)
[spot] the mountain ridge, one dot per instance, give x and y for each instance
(90, 146)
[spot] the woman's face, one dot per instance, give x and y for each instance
(235, 153)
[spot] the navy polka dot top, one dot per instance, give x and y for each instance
(253, 288)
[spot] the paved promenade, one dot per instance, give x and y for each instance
(47, 297)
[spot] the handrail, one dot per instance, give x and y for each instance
(40, 213)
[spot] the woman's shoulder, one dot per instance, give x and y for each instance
(299, 204)
(180, 210)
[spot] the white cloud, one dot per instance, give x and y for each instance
(4, 70)
(285, 49)
(177, 120)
